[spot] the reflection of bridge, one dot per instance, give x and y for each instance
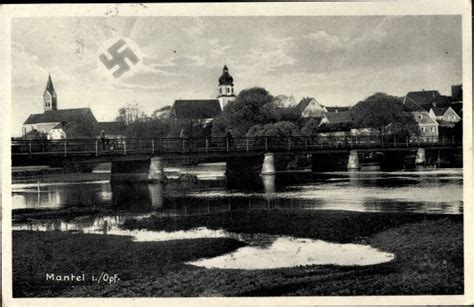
(128, 155)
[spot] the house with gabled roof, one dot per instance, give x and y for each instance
(444, 115)
(336, 123)
(427, 125)
(310, 107)
(418, 104)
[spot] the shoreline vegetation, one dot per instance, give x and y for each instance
(428, 260)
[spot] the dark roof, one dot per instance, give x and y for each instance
(428, 99)
(439, 111)
(411, 105)
(337, 109)
(112, 128)
(196, 108)
(423, 97)
(226, 79)
(302, 105)
(62, 116)
(339, 117)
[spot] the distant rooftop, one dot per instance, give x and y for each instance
(60, 116)
(196, 108)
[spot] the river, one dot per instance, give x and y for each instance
(421, 191)
(429, 191)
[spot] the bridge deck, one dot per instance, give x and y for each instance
(142, 148)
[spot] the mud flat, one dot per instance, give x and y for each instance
(428, 251)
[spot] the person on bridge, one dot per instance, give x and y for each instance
(182, 134)
(230, 137)
(102, 138)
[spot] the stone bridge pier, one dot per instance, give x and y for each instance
(138, 171)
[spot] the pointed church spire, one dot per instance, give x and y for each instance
(49, 85)
(50, 101)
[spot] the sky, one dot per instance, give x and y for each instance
(339, 60)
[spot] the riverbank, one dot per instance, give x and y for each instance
(428, 252)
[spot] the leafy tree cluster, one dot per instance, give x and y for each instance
(244, 112)
(81, 128)
(281, 129)
(383, 114)
(160, 124)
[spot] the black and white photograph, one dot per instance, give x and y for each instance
(177, 151)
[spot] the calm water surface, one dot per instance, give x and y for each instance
(423, 191)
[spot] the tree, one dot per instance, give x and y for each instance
(81, 127)
(311, 127)
(384, 114)
(279, 129)
(192, 128)
(244, 112)
(162, 113)
(138, 124)
(131, 113)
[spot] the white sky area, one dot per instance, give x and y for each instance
(337, 60)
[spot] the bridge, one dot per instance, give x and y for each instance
(240, 153)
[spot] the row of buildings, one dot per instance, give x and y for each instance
(430, 109)
(54, 123)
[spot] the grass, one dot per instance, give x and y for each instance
(428, 249)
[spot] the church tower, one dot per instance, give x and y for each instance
(50, 100)
(226, 88)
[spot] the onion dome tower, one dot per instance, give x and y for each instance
(226, 88)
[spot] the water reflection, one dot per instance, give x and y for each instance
(269, 186)
(137, 197)
(291, 252)
(428, 191)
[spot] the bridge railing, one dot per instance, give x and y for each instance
(218, 144)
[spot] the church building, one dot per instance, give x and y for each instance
(53, 123)
(206, 109)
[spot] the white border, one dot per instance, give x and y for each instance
(433, 7)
